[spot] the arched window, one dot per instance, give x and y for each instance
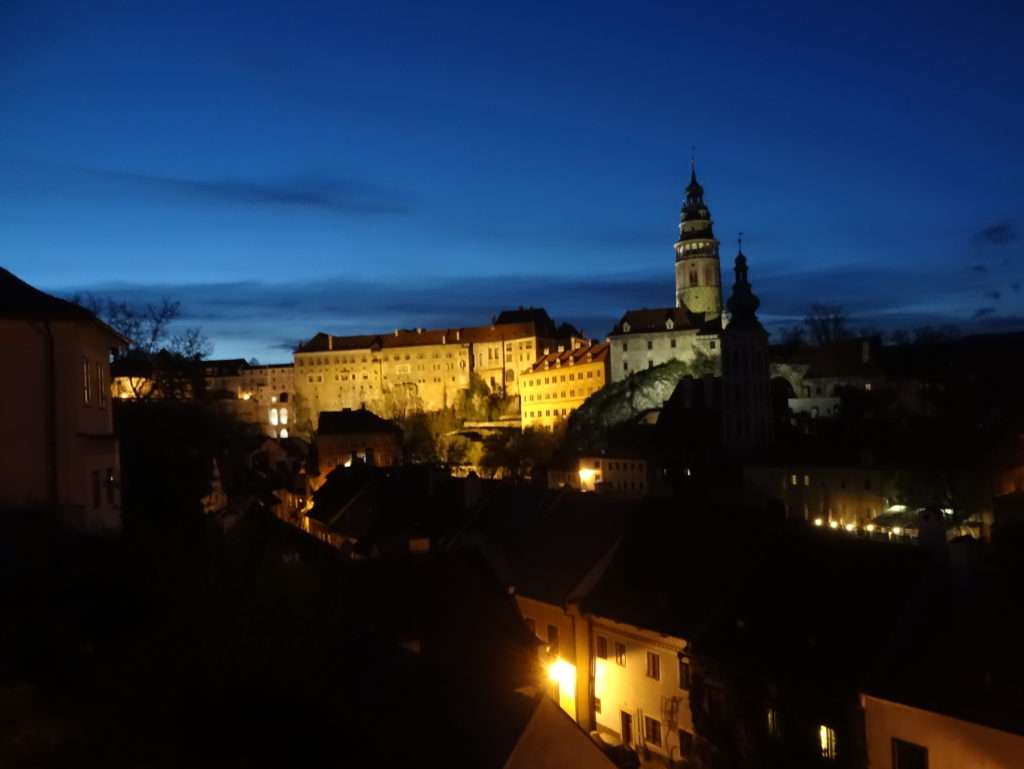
(283, 414)
(273, 416)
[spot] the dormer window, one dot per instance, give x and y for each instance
(625, 327)
(670, 324)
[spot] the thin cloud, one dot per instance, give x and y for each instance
(1000, 234)
(319, 192)
(983, 312)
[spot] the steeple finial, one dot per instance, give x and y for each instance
(739, 242)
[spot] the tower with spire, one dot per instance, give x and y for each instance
(746, 384)
(698, 270)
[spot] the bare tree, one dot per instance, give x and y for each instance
(826, 323)
(148, 327)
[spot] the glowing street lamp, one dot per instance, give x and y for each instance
(563, 674)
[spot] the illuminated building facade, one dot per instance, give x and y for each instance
(559, 382)
(60, 449)
(415, 370)
(348, 436)
(647, 338)
(620, 475)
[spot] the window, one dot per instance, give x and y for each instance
(625, 366)
(532, 624)
(772, 722)
(828, 741)
(907, 755)
(672, 343)
(625, 346)
(602, 647)
(620, 653)
(684, 674)
(712, 345)
(807, 480)
(553, 638)
(653, 666)
(792, 480)
(86, 382)
(652, 730)
(650, 344)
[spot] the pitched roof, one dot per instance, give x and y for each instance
(353, 421)
(401, 337)
(647, 321)
(592, 353)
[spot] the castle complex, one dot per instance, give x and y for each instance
(649, 337)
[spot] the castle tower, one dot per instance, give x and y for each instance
(698, 271)
(746, 385)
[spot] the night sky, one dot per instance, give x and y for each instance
(289, 168)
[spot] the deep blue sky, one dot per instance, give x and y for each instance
(288, 168)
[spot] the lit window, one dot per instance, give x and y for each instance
(86, 382)
(828, 741)
(652, 730)
(653, 666)
(772, 722)
(597, 705)
(283, 434)
(273, 416)
(792, 480)
(283, 413)
(620, 653)
(101, 386)
(807, 480)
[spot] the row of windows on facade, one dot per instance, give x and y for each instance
(94, 383)
(318, 379)
(548, 413)
(794, 480)
(613, 464)
(697, 245)
(553, 379)
(555, 395)
(492, 354)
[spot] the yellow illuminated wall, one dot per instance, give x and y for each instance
(559, 383)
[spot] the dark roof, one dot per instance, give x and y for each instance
(536, 315)
(419, 336)
(819, 606)
(353, 421)
(19, 300)
(646, 321)
(550, 539)
(847, 358)
(673, 567)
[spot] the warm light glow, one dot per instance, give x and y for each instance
(273, 399)
(246, 396)
(818, 522)
(563, 674)
(587, 476)
(124, 396)
(849, 527)
(897, 530)
(870, 527)
(833, 524)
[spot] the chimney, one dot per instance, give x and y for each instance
(330, 341)
(396, 332)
